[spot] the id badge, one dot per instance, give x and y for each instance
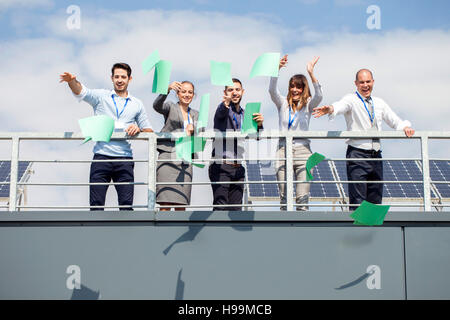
(119, 126)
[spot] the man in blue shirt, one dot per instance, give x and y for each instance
(130, 116)
(229, 116)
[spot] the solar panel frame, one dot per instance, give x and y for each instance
(5, 176)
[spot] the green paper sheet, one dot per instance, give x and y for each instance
(220, 73)
(97, 128)
(266, 65)
(161, 77)
(249, 125)
(187, 145)
(370, 214)
(313, 161)
(203, 114)
(150, 61)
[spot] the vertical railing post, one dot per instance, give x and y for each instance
(426, 173)
(152, 157)
(14, 174)
(289, 172)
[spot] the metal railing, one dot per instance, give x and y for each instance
(152, 139)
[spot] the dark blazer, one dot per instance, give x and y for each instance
(173, 120)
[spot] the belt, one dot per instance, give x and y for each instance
(371, 151)
(234, 164)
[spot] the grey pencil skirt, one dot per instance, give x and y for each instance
(177, 171)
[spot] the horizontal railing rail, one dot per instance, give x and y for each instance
(289, 136)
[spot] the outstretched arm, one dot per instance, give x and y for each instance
(72, 81)
(323, 110)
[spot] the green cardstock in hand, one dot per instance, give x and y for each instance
(150, 61)
(249, 125)
(370, 214)
(97, 128)
(161, 77)
(313, 161)
(203, 113)
(266, 65)
(220, 73)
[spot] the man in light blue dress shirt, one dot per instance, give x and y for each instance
(130, 116)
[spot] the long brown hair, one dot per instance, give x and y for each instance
(299, 80)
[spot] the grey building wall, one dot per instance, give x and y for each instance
(220, 255)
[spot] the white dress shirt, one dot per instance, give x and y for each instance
(358, 119)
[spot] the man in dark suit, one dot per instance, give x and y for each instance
(229, 116)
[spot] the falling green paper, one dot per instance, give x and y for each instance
(203, 114)
(370, 214)
(266, 65)
(249, 125)
(186, 146)
(150, 61)
(97, 128)
(161, 77)
(313, 161)
(220, 73)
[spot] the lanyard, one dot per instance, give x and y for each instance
(189, 120)
(372, 117)
(291, 121)
(117, 110)
(235, 120)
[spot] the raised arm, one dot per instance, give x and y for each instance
(159, 104)
(318, 95)
(72, 81)
(310, 67)
(275, 95)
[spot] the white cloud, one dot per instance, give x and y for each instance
(410, 70)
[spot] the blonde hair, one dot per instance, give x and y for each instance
(299, 80)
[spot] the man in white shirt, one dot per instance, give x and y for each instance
(363, 112)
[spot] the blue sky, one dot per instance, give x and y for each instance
(320, 15)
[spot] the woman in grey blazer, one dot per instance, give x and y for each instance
(178, 117)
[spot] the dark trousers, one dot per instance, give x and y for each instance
(115, 171)
(364, 171)
(227, 193)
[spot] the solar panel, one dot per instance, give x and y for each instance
(5, 175)
(440, 171)
(398, 170)
(265, 171)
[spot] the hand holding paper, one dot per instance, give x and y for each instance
(250, 125)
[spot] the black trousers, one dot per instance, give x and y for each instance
(115, 171)
(364, 171)
(227, 193)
